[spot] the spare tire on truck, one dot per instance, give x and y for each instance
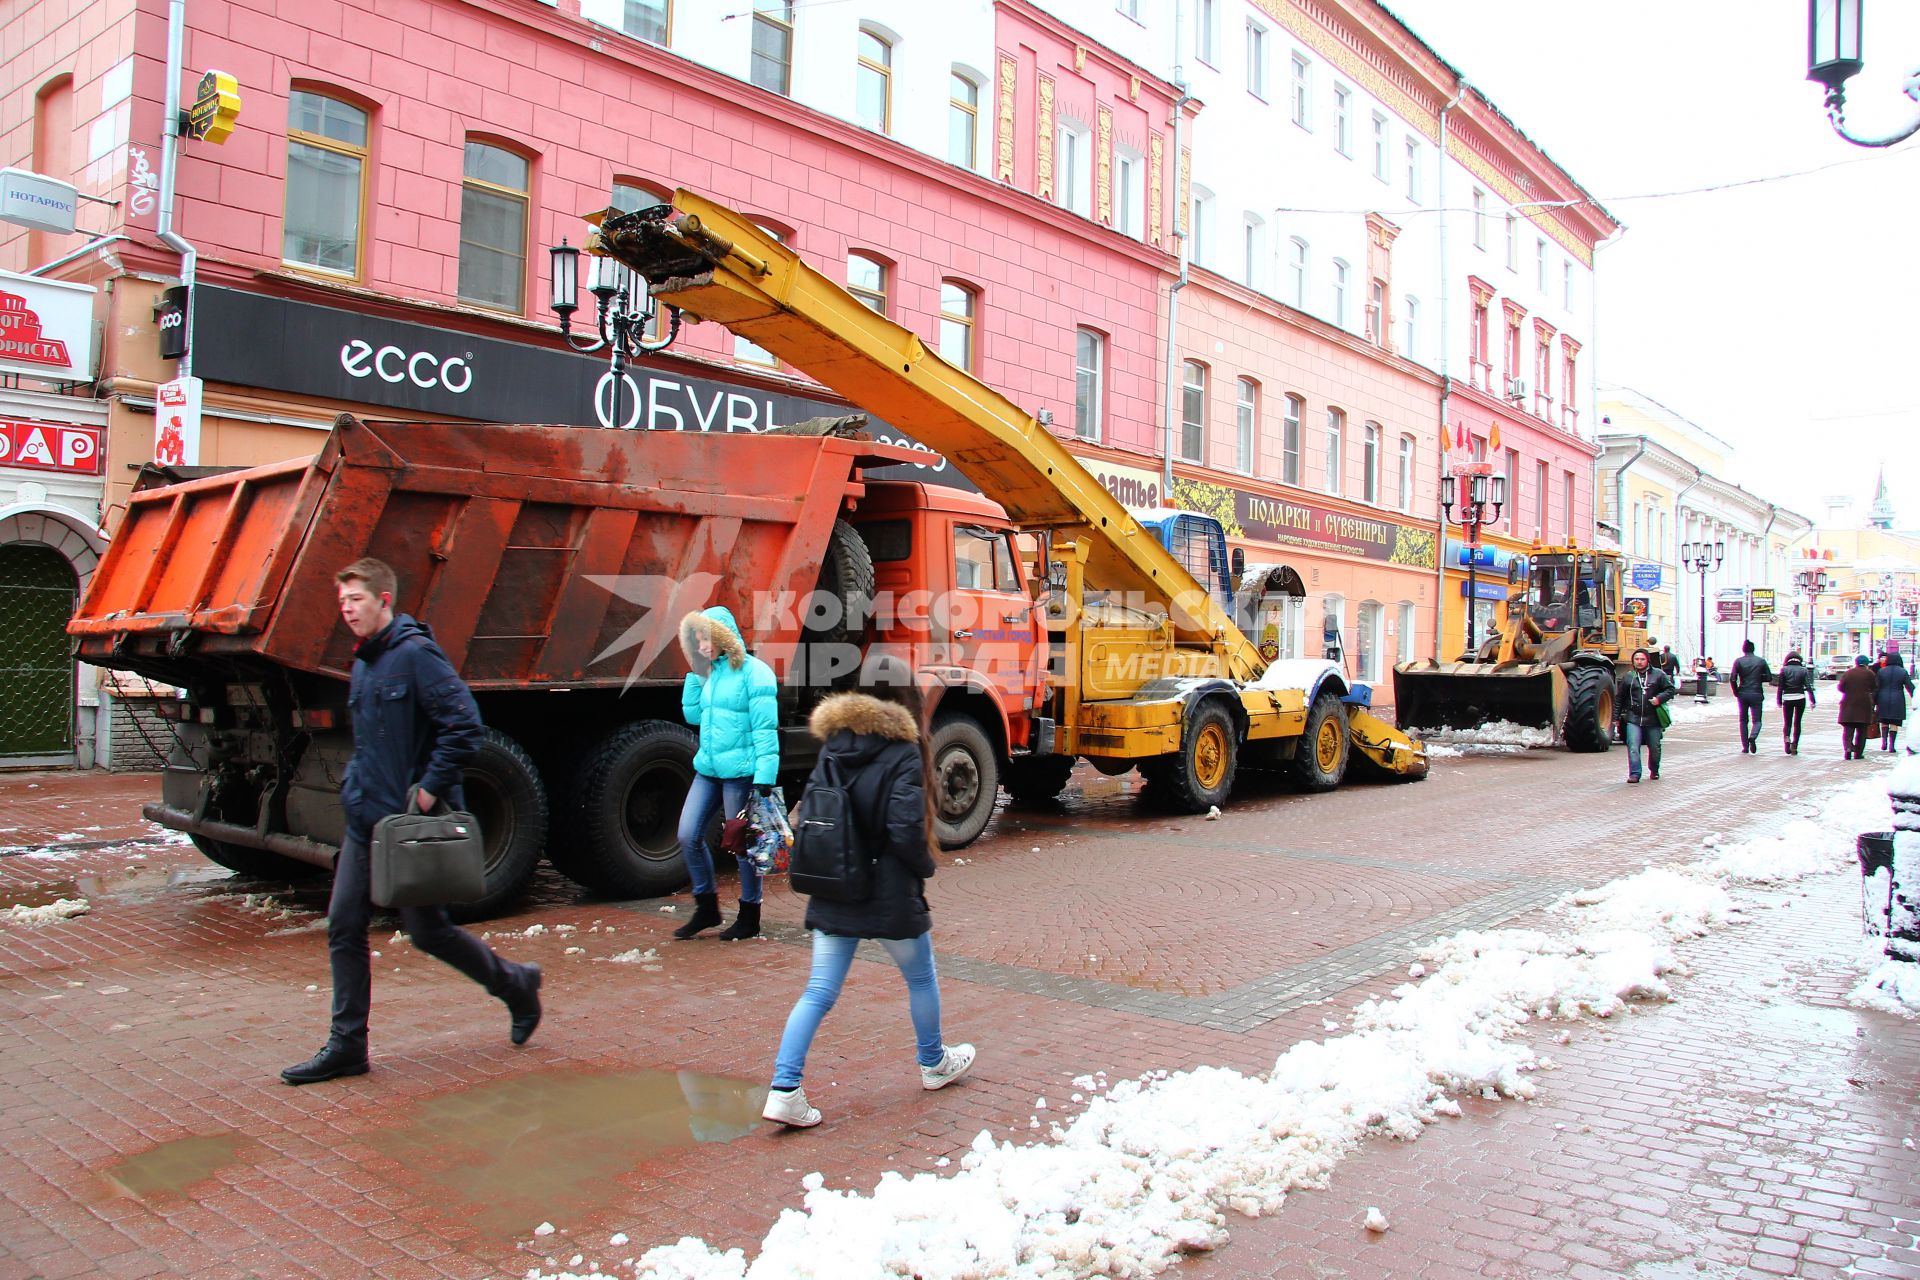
(834, 621)
(623, 838)
(506, 796)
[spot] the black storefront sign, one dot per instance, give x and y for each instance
(255, 341)
(171, 317)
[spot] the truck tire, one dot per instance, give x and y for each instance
(1320, 761)
(624, 838)
(966, 779)
(1589, 725)
(1035, 780)
(1200, 774)
(255, 864)
(846, 574)
(505, 794)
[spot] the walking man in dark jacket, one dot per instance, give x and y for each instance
(1751, 674)
(1795, 693)
(414, 725)
(1670, 663)
(1639, 695)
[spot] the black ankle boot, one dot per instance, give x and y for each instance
(523, 1004)
(706, 914)
(745, 925)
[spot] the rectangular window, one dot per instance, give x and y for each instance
(646, 19)
(1513, 241)
(1381, 164)
(1377, 313)
(1366, 649)
(1540, 264)
(1256, 60)
(1297, 273)
(957, 306)
(1340, 293)
(493, 227)
(1290, 441)
(1301, 97)
(1246, 422)
(867, 281)
(1566, 285)
(1193, 411)
(1479, 218)
(1072, 164)
(1406, 638)
(1370, 463)
(1128, 8)
(1410, 347)
(963, 122)
(1343, 119)
(1407, 447)
(1129, 193)
(326, 183)
(1541, 485)
(772, 66)
(1206, 27)
(1089, 372)
(1252, 252)
(873, 84)
(1413, 172)
(1336, 450)
(1200, 247)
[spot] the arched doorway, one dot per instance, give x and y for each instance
(38, 591)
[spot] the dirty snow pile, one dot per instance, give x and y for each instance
(49, 913)
(1501, 736)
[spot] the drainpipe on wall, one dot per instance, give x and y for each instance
(169, 164)
(1620, 488)
(1171, 384)
(1446, 378)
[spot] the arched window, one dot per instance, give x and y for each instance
(959, 305)
(963, 120)
(1340, 273)
(873, 82)
(867, 280)
(493, 226)
(1408, 446)
(326, 191)
(1336, 451)
(52, 150)
(1290, 440)
(1246, 424)
(1370, 463)
(1089, 382)
(1368, 640)
(1297, 251)
(1193, 411)
(1407, 634)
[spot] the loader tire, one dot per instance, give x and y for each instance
(505, 794)
(624, 838)
(1200, 774)
(1589, 725)
(1320, 761)
(1034, 780)
(966, 779)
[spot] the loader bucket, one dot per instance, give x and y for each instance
(1462, 695)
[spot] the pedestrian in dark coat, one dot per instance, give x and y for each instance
(1890, 700)
(1859, 691)
(415, 726)
(1793, 694)
(1637, 699)
(876, 743)
(1749, 684)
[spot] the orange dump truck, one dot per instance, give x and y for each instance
(554, 564)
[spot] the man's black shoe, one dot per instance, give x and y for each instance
(330, 1063)
(523, 1002)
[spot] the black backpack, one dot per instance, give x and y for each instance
(830, 852)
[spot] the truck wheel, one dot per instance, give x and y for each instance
(1320, 761)
(1589, 709)
(1200, 774)
(505, 794)
(966, 780)
(626, 811)
(255, 864)
(1036, 779)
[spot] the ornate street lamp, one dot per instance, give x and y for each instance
(1813, 583)
(1834, 57)
(1479, 506)
(1702, 558)
(623, 310)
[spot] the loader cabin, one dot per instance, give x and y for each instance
(1575, 589)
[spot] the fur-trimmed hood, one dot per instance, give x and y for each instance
(716, 624)
(860, 713)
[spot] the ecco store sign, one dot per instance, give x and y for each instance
(361, 359)
(255, 341)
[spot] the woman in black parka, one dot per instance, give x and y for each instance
(876, 739)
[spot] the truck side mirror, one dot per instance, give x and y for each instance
(1239, 561)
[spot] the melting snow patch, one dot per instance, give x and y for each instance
(635, 956)
(1495, 736)
(1376, 1220)
(50, 913)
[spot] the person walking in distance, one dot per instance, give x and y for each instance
(1793, 694)
(1640, 694)
(1890, 700)
(1749, 681)
(414, 726)
(1670, 663)
(875, 746)
(1859, 691)
(733, 700)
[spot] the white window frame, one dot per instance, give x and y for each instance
(1382, 162)
(1409, 459)
(1408, 626)
(1410, 339)
(1540, 265)
(1073, 167)
(1299, 271)
(1413, 170)
(1300, 90)
(1246, 423)
(1369, 636)
(1513, 241)
(1370, 463)
(1479, 218)
(1291, 444)
(1340, 274)
(1206, 31)
(1129, 192)
(1253, 251)
(1336, 458)
(1088, 423)
(1200, 228)
(1343, 120)
(1566, 283)
(1256, 60)
(1193, 412)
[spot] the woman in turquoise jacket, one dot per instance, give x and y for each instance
(733, 700)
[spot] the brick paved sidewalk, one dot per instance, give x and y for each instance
(145, 1132)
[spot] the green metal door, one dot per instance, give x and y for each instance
(37, 596)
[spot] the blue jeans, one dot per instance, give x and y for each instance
(703, 797)
(1637, 734)
(832, 957)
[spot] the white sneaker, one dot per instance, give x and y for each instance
(789, 1107)
(954, 1062)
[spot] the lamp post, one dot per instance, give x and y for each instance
(1702, 558)
(1484, 494)
(1875, 597)
(1813, 583)
(622, 311)
(1834, 57)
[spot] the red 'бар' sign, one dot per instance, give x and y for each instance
(48, 446)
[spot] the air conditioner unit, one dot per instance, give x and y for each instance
(1517, 389)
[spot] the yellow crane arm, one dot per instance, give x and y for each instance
(715, 264)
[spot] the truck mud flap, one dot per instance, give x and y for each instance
(299, 848)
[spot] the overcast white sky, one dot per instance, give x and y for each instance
(1782, 317)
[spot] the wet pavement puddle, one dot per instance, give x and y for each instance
(134, 882)
(553, 1146)
(172, 1167)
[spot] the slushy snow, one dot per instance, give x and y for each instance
(1149, 1170)
(48, 913)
